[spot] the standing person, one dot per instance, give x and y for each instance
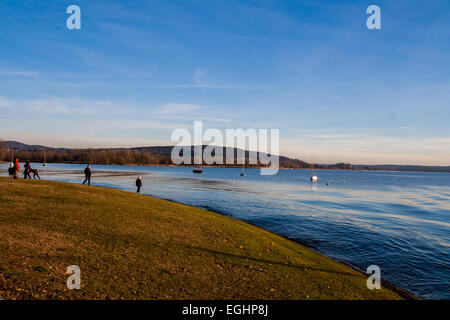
(16, 165)
(27, 170)
(139, 184)
(87, 175)
(12, 171)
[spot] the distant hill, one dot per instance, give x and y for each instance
(134, 155)
(15, 145)
(161, 155)
(396, 167)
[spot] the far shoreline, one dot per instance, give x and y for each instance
(237, 167)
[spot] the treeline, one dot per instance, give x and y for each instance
(96, 156)
(4, 151)
(92, 156)
(137, 156)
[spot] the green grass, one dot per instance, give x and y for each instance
(131, 246)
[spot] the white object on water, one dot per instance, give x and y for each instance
(314, 178)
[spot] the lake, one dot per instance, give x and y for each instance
(399, 221)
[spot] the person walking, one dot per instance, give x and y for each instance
(27, 170)
(17, 165)
(139, 184)
(87, 175)
(12, 171)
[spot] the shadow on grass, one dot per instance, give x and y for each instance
(288, 265)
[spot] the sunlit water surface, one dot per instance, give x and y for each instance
(399, 221)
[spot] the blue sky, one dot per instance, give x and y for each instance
(135, 72)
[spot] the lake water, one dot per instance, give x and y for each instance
(399, 221)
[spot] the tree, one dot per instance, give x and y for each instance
(4, 150)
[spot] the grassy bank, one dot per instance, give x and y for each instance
(131, 246)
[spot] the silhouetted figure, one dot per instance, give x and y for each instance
(139, 184)
(27, 170)
(35, 173)
(12, 171)
(87, 175)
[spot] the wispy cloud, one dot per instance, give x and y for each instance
(5, 103)
(196, 117)
(177, 108)
(54, 105)
(186, 112)
(202, 79)
(198, 76)
(203, 86)
(130, 124)
(19, 73)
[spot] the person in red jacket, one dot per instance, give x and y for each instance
(16, 165)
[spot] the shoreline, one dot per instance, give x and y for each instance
(245, 167)
(319, 259)
(404, 293)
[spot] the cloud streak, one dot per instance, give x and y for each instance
(19, 73)
(177, 108)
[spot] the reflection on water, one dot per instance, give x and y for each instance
(399, 221)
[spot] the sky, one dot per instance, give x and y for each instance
(134, 72)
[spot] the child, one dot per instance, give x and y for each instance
(12, 171)
(35, 173)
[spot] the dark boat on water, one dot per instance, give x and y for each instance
(197, 170)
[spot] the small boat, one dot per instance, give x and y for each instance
(197, 170)
(242, 173)
(314, 178)
(45, 158)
